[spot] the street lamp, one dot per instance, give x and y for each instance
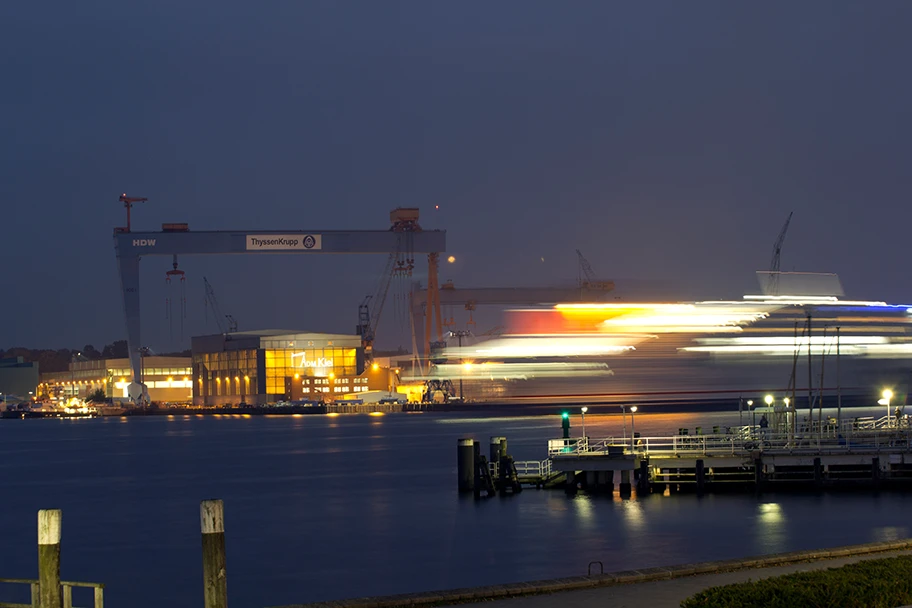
(887, 394)
(633, 434)
(583, 417)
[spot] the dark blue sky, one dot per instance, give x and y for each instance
(667, 140)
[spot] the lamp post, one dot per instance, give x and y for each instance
(887, 394)
(750, 408)
(633, 434)
(624, 419)
(583, 418)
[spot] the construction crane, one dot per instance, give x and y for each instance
(229, 325)
(367, 320)
(772, 287)
(587, 278)
(128, 202)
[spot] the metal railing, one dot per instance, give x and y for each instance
(66, 587)
(742, 441)
(524, 468)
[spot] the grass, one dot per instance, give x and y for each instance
(876, 583)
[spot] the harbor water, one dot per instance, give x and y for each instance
(328, 507)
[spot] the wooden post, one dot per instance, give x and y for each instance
(701, 477)
(875, 471)
(215, 581)
(818, 473)
(49, 529)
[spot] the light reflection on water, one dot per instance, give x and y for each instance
(320, 508)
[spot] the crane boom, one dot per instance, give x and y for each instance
(367, 320)
(773, 285)
(587, 278)
(212, 302)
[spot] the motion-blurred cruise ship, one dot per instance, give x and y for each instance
(706, 351)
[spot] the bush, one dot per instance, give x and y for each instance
(877, 583)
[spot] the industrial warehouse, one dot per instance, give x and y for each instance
(259, 367)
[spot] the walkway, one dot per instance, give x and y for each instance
(670, 593)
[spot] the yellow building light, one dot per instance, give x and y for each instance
(170, 379)
(296, 376)
(375, 366)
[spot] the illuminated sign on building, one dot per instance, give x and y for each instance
(321, 362)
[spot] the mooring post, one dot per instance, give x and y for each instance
(701, 477)
(215, 578)
(758, 474)
(465, 464)
(818, 473)
(478, 479)
(875, 471)
(49, 528)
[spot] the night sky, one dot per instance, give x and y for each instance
(666, 140)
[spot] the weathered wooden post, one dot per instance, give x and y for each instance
(49, 522)
(215, 580)
(465, 464)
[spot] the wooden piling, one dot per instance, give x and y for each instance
(465, 465)
(498, 448)
(49, 533)
(875, 472)
(701, 477)
(215, 579)
(818, 473)
(758, 474)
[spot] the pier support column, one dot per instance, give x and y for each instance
(465, 465)
(875, 472)
(49, 529)
(215, 579)
(818, 473)
(624, 489)
(701, 477)
(643, 486)
(758, 474)
(477, 482)
(570, 483)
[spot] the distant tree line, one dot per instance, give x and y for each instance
(50, 360)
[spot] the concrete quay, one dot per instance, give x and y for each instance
(655, 587)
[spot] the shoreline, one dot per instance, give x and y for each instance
(625, 577)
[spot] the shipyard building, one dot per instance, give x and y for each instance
(167, 379)
(259, 367)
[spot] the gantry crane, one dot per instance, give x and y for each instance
(404, 238)
(772, 286)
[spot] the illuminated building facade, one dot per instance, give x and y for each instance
(168, 379)
(259, 367)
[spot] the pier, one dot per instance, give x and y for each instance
(861, 453)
